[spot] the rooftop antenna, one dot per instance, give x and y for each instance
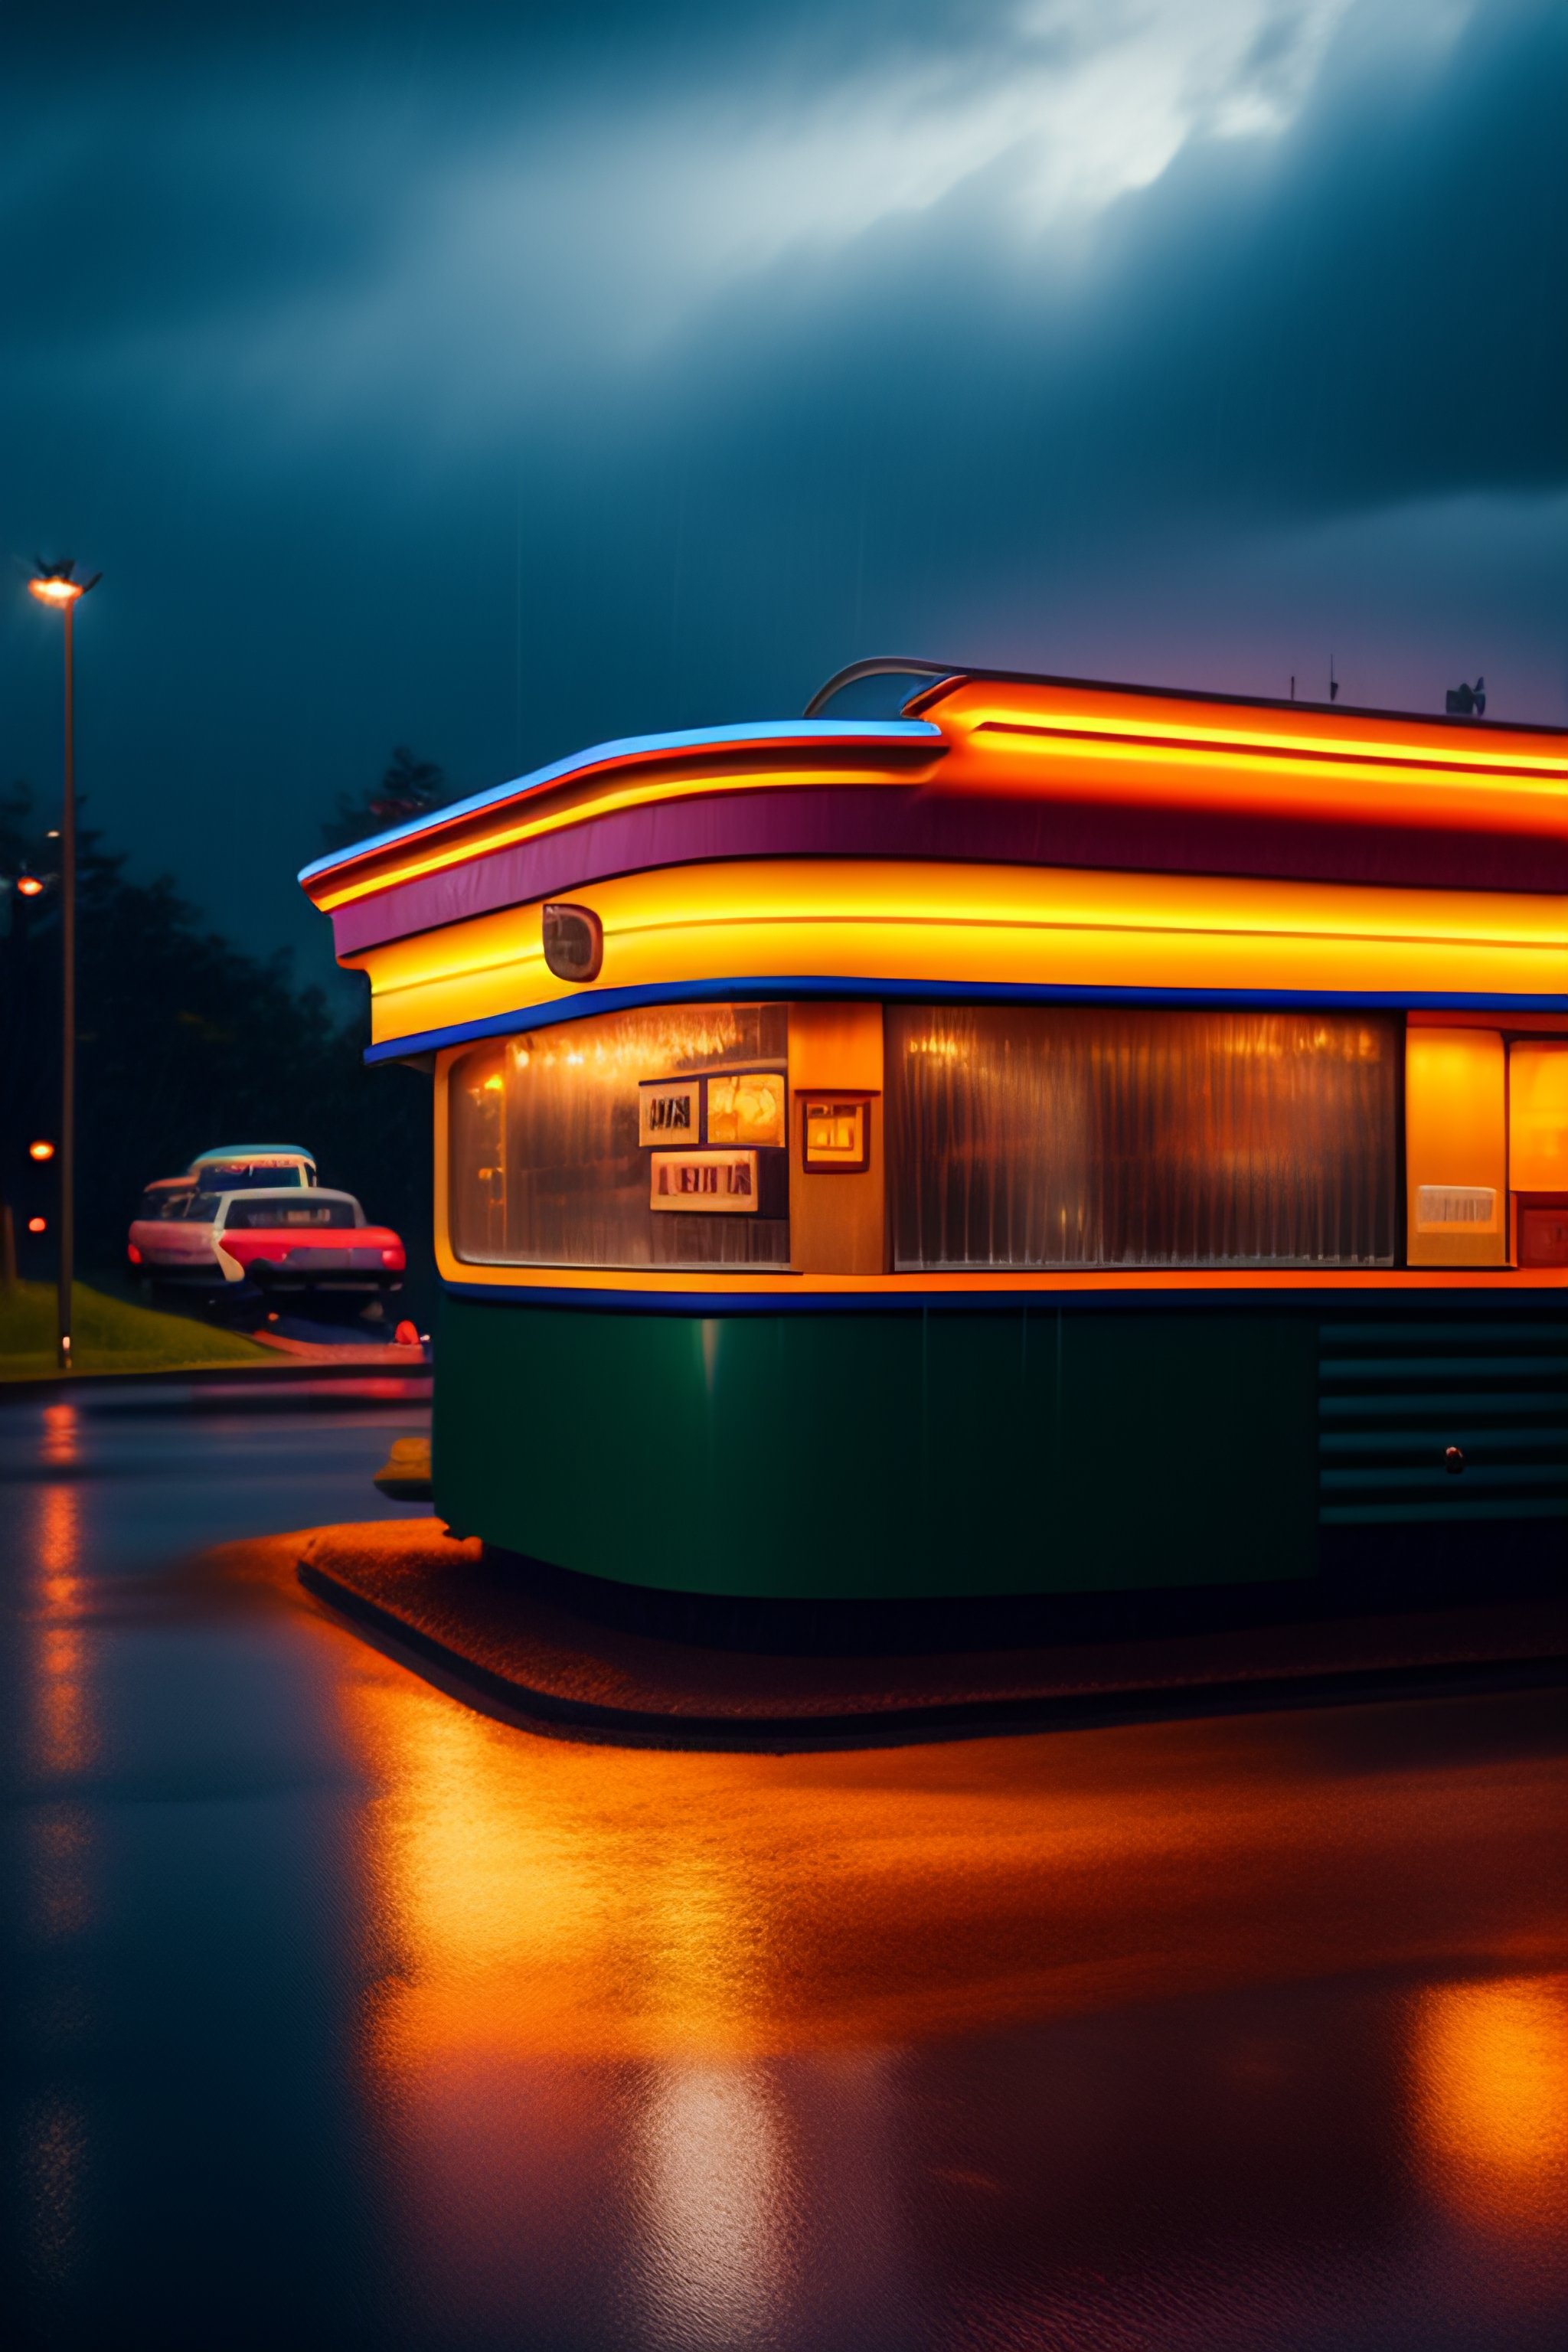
(1292, 686)
(1334, 682)
(1468, 701)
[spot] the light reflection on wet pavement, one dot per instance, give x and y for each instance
(345, 2015)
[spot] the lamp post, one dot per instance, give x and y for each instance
(55, 586)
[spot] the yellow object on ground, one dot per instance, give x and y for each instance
(405, 1475)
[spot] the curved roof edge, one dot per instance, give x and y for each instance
(949, 675)
(626, 747)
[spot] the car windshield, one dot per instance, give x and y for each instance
(249, 1176)
(164, 1203)
(199, 1208)
(252, 1216)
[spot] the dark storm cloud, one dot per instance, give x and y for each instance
(499, 379)
(1369, 311)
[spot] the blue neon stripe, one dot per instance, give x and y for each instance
(625, 747)
(749, 989)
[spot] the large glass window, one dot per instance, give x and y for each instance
(1084, 1135)
(546, 1167)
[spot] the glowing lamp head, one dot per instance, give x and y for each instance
(37, 1225)
(40, 1151)
(29, 884)
(53, 588)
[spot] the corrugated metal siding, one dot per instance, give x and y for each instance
(1394, 1397)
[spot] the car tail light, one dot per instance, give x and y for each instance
(133, 1254)
(392, 1258)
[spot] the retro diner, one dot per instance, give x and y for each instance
(1061, 1138)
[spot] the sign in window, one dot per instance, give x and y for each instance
(1447, 1208)
(670, 1111)
(708, 1181)
(837, 1131)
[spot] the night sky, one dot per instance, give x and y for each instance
(496, 379)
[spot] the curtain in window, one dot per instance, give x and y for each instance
(1084, 1135)
(546, 1168)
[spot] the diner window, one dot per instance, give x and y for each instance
(1094, 1136)
(545, 1165)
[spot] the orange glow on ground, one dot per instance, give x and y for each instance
(551, 1901)
(65, 1733)
(1490, 2070)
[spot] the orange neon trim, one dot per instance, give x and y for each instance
(1405, 792)
(935, 925)
(1046, 742)
(711, 1280)
(1229, 726)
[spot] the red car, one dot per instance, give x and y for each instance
(292, 1240)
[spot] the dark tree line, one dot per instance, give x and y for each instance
(184, 1041)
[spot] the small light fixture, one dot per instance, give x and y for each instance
(573, 942)
(29, 884)
(40, 1151)
(54, 588)
(53, 584)
(37, 1225)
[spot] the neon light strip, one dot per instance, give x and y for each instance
(634, 794)
(1064, 720)
(1249, 761)
(633, 747)
(940, 927)
(749, 987)
(1062, 730)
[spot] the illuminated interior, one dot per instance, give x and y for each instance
(1020, 1136)
(546, 1162)
(1094, 1135)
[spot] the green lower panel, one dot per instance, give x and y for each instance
(882, 1455)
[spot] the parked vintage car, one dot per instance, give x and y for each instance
(290, 1239)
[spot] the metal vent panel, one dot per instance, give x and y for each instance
(1394, 1398)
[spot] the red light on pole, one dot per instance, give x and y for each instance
(37, 1225)
(40, 1151)
(28, 885)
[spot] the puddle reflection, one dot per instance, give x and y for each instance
(1491, 2088)
(720, 2050)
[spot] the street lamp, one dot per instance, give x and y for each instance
(55, 586)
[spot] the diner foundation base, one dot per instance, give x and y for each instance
(544, 1647)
